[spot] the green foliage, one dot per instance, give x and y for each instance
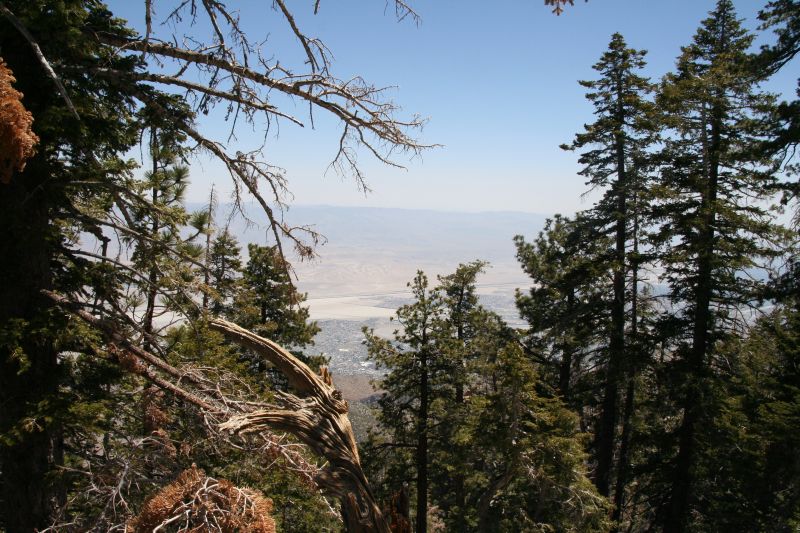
(783, 17)
(269, 303)
(530, 456)
(502, 454)
(564, 307)
(753, 442)
(298, 506)
(225, 266)
(715, 223)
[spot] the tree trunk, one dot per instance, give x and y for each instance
(460, 496)
(207, 265)
(622, 463)
(422, 447)
(31, 446)
(152, 276)
(683, 483)
(608, 420)
(567, 351)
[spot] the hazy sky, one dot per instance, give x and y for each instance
(498, 81)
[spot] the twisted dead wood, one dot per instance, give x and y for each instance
(318, 417)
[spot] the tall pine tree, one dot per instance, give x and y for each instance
(612, 146)
(715, 227)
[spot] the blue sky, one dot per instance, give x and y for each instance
(497, 80)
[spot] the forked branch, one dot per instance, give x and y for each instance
(319, 419)
(317, 415)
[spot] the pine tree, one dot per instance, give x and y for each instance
(751, 471)
(412, 362)
(41, 211)
(224, 268)
(459, 335)
(86, 80)
(714, 226)
(783, 17)
(158, 219)
(614, 145)
(531, 473)
(564, 305)
(500, 452)
(269, 303)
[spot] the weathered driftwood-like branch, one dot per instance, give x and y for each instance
(189, 385)
(317, 416)
(319, 419)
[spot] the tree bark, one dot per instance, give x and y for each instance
(632, 366)
(682, 488)
(319, 419)
(31, 446)
(608, 420)
(422, 447)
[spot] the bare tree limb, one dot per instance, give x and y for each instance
(190, 385)
(321, 91)
(319, 419)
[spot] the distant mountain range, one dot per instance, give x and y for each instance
(375, 249)
(487, 234)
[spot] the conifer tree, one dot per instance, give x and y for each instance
(503, 454)
(564, 305)
(612, 148)
(714, 227)
(412, 361)
(531, 472)
(783, 17)
(158, 217)
(269, 303)
(42, 209)
(224, 268)
(462, 324)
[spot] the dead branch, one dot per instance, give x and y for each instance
(344, 99)
(319, 419)
(229, 69)
(202, 503)
(189, 384)
(557, 9)
(17, 140)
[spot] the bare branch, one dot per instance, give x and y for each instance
(319, 420)
(322, 91)
(307, 43)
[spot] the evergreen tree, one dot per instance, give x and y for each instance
(564, 307)
(460, 337)
(750, 471)
(501, 453)
(714, 225)
(783, 16)
(224, 268)
(158, 219)
(614, 145)
(269, 303)
(531, 475)
(42, 210)
(88, 86)
(412, 363)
